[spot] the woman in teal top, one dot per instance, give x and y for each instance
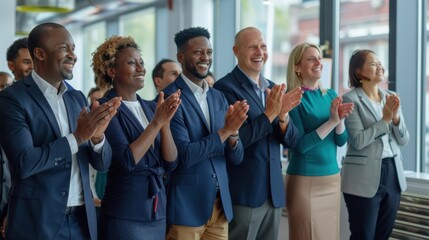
(313, 179)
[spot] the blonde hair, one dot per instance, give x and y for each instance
(293, 80)
(105, 57)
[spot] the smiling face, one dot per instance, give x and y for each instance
(372, 69)
(129, 71)
(22, 65)
(251, 51)
(310, 66)
(170, 72)
(196, 59)
(56, 58)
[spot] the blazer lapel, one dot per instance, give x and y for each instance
(37, 95)
(247, 86)
(211, 103)
(365, 100)
(187, 93)
(71, 111)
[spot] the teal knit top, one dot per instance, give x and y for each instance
(314, 156)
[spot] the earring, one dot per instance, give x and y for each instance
(299, 74)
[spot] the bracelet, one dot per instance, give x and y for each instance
(234, 137)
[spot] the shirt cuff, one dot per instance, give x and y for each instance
(72, 143)
(97, 147)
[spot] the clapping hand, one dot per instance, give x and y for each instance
(290, 100)
(92, 124)
(166, 108)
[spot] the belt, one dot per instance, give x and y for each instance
(388, 159)
(73, 210)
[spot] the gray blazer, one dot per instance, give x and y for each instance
(362, 164)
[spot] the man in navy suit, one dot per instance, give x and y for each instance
(257, 188)
(49, 138)
(205, 130)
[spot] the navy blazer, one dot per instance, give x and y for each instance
(259, 177)
(131, 187)
(202, 158)
(40, 161)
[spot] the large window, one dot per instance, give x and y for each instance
(426, 97)
(141, 25)
(363, 25)
(93, 36)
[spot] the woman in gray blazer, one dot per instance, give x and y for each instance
(372, 172)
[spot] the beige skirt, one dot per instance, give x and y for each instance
(313, 206)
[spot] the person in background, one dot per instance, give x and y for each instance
(313, 179)
(164, 73)
(372, 172)
(97, 180)
(256, 184)
(49, 137)
(19, 59)
(6, 80)
(20, 64)
(205, 130)
(134, 203)
(210, 79)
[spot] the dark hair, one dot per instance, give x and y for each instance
(356, 62)
(183, 36)
(38, 34)
(158, 70)
(12, 51)
(93, 90)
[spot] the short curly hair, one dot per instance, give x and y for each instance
(183, 36)
(105, 57)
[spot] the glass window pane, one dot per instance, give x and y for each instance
(141, 25)
(93, 36)
(426, 97)
(364, 24)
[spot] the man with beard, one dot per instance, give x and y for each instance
(49, 138)
(18, 59)
(205, 130)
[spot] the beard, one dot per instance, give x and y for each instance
(194, 71)
(67, 75)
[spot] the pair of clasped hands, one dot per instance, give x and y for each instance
(391, 109)
(279, 102)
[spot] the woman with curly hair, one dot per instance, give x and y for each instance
(134, 203)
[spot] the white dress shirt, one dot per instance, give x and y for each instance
(56, 102)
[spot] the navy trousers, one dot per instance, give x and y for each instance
(374, 218)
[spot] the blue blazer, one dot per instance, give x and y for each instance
(40, 161)
(202, 159)
(131, 187)
(259, 177)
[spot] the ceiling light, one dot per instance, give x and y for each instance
(58, 6)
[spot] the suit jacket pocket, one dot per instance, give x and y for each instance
(355, 160)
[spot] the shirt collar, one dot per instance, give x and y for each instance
(194, 87)
(47, 88)
(262, 80)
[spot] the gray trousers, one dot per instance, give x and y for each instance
(261, 223)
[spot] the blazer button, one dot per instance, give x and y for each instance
(67, 165)
(214, 175)
(63, 193)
